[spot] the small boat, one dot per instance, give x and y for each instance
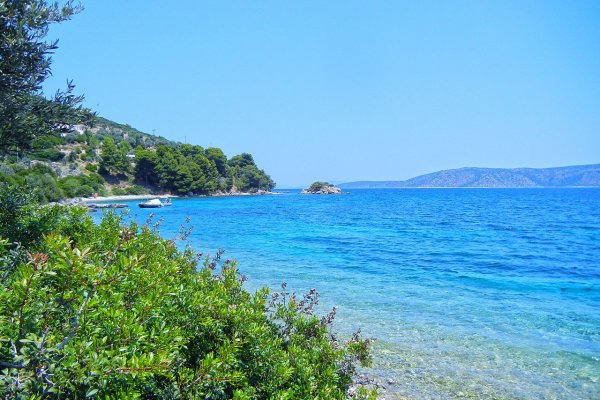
(167, 202)
(154, 203)
(107, 205)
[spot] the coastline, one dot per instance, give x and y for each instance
(131, 197)
(126, 197)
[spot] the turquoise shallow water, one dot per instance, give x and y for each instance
(474, 293)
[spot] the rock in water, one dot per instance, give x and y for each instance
(322, 188)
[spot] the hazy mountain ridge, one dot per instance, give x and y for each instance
(471, 177)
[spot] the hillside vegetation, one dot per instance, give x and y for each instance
(110, 158)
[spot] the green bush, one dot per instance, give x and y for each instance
(48, 155)
(118, 191)
(80, 139)
(84, 191)
(91, 167)
(47, 142)
(44, 187)
(11, 179)
(81, 185)
(88, 155)
(319, 185)
(38, 169)
(38, 179)
(24, 221)
(136, 190)
(113, 311)
(6, 169)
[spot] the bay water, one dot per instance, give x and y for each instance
(470, 293)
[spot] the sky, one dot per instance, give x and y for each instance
(346, 90)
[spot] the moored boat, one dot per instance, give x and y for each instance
(154, 203)
(106, 205)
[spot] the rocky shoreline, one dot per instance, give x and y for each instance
(131, 197)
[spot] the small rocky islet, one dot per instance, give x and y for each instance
(321, 188)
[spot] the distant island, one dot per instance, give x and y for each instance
(571, 176)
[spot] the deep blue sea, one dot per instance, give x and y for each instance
(471, 293)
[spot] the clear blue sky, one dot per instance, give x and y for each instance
(347, 90)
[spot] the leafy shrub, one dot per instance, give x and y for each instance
(91, 167)
(88, 155)
(24, 221)
(84, 191)
(113, 311)
(44, 187)
(48, 155)
(6, 169)
(136, 190)
(38, 179)
(81, 185)
(319, 185)
(38, 169)
(8, 179)
(118, 191)
(47, 142)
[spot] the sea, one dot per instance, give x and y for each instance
(470, 293)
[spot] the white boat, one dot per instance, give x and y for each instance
(154, 203)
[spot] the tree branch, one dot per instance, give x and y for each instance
(5, 364)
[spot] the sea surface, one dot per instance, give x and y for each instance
(471, 293)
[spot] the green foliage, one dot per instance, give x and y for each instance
(44, 187)
(30, 124)
(319, 185)
(184, 169)
(113, 311)
(38, 179)
(123, 132)
(23, 221)
(245, 175)
(114, 158)
(81, 185)
(217, 156)
(47, 155)
(80, 139)
(91, 167)
(25, 60)
(47, 142)
(135, 189)
(38, 169)
(145, 164)
(18, 212)
(241, 160)
(87, 155)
